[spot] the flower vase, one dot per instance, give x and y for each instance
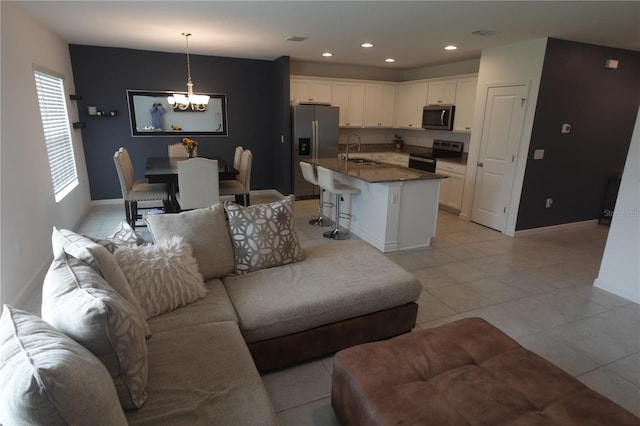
(189, 154)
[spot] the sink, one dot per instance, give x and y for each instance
(362, 161)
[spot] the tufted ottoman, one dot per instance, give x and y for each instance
(462, 373)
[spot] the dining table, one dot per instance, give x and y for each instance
(165, 170)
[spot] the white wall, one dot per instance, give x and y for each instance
(29, 210)
(519, 63)
(620, 267)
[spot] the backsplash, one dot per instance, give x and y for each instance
(417, 138)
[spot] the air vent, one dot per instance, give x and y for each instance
(483, 33)
(295, 38)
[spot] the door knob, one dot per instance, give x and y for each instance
(480, 164)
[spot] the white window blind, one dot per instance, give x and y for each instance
(57, 134)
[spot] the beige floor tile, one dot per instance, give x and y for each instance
(297, 385)
(571, 360)
(459, 298)
(462, 271)
(407, 261)
(440, 321)
(434, 257)
(316, 413)
(495, 290)
(612, 386)
(628, 368)
(432, 278)
(512, 324)
(430, 308)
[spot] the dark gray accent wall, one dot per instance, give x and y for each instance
(601, 106)
(257, 109)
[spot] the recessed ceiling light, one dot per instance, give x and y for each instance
(327, 54)
(366, 45)
(451, 47)
(389, 60)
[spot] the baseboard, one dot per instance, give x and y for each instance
(34, 284)
(625, 292)
(525, 232)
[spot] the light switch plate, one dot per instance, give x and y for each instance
(538, 154)
(566, 128)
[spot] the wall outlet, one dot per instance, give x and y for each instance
(566, 128)
(538, 154)
(548, 203)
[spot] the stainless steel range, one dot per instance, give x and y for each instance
(441, 149)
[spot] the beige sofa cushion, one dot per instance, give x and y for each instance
(205, 230)
(47, 378)
(203, 375)
(100, 259)
(335, 282)
(79, 302)
(215, 306)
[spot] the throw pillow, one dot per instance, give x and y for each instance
(263, 235)
(79, 302)
(125, 235)
(102, 261)
(205, 230)
(163, 276)
(48, 378)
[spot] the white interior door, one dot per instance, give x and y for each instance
(501, 130)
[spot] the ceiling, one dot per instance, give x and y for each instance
(412, 32)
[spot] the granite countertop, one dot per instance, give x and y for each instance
(375, 173)
(406, 149)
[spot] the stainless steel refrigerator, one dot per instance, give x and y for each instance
(315, 135)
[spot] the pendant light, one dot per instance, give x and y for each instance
(190, 101)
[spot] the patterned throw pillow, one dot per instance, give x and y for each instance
(263, 235)
(163, 276)
(101, 260)
(79, 302)
(48, 378)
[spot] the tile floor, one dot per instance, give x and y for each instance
(536, 288)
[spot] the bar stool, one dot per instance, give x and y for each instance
(310, 176)
(327, 182)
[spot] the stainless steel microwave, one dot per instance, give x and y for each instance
(438, 117)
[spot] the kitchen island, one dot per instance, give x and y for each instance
(397, 207)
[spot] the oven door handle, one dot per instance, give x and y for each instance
(423, 160)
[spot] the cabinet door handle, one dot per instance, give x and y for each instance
(480, 164)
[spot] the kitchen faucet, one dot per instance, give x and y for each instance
(358, 144)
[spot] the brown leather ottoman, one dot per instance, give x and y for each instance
(462, 373)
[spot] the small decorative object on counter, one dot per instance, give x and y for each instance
(190, 145)
(397, 139)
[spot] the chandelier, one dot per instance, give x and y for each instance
(189, 101)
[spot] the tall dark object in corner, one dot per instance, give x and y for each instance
(601, 106)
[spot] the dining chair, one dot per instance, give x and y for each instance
(241, 186)
(197, 183)
(177, 150)
(237, 157)
(135, 190)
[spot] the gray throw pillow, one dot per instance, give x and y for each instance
(46, 378)
(205, 230)
(163, 276)
(101, 260)
(263, 235)
(79, 302)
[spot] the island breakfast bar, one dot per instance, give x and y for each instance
(397, 207)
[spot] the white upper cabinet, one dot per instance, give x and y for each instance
(465, 102)
(350, 98)
(442, 92)
(410, 100)
(310, 90)
(379, 104)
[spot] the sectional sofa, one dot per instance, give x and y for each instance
(184, 327)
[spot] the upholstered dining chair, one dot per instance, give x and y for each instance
(241, 186)
(178, 150)
(237, 157)
(198, 183)
(136, 190)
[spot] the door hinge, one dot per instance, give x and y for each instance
(504, 210)
(522, 104)
(513, 157)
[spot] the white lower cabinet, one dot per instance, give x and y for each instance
(452, 188)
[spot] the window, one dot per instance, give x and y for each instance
(57, 134)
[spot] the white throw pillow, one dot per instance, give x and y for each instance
(163, 276)
(79, 302)
(46, 378)
(263, 235)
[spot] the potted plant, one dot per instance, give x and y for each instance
(397, 139)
